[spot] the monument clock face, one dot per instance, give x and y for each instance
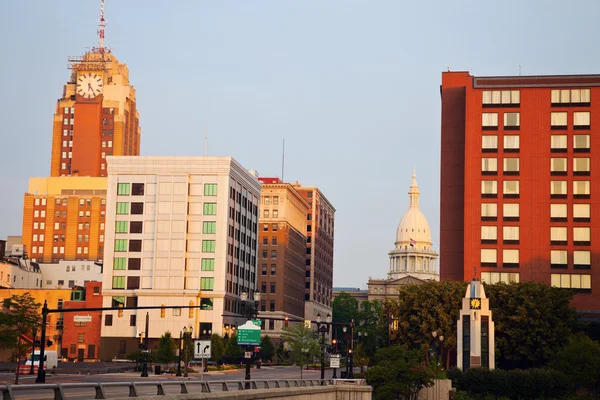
(475, 304)
(89, 85)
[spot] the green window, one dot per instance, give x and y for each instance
(209, 227)
(208, 246)
(208, 264)
(205, 283)
(123, 189)
(121, 226)
(118, 282)
(120, 263)
(122, 208)
(210, 189)
(120, 244)
(210, 208)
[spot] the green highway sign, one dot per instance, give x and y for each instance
(249, 334)
(257, 322)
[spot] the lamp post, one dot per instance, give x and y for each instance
(249, 311)
(441, 343)
(322, 330)
(179, 355)
(345, 330)
(187, 335)
(34, 333)
(146, 349)
(205, 336)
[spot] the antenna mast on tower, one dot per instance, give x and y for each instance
(101, 25)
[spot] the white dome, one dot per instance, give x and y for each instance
(413, 225)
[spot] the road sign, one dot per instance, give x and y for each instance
(201, 348)
(334, 361)
(248, 354)
(257, 322)
(249, 334)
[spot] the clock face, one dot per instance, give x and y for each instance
(89, 85)
(475, 304)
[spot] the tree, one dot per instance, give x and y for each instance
(344, 309)
(399, 373)
(360, 357)
(303, 344)
(217, 347)
(579, 360)
(233, 350)
(371, 320)
(166, 349)
(266, 348)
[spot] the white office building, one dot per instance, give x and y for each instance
(180, 231)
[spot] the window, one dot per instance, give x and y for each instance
(134, 264)
(275, 214)
(121, 226)
(511, 189)
(275, 200)
(581, 189)
(510, 235)
(135, 245)
(207, 283)
(510, 258)
(489, 234)
(581, 120)
(558, 258)
(119, 263)
(581, 166)
(120, 244)
(582, 259)
(489, 211)
(511, 166)
(582, 282)
(581, 236)
(495, 277)
(209, 227)
(274, 228)
(558, 120)
(510, 211)
(264, 269)
(208, 246)
(273, 269)
(506, 98)
(272, 287)
(208, 264)
(581, 143)
(108, 320)
(210, 208)
(267, 200)
(136, 227)
(489, 257)
(122, 208)
(512, 121)
(118, 282)
(489, 166)
(581, 212)
(558, 189)
(489, 121)
(274, 241)
(274, 253)
(137, 189)
(133, 282)
(489, 188)
(566, 97)
(132, 320)
(123, 189)
(512, 143)
(558, 166)
(489, 143)
(137, 208)
(210, 189)
(265, 213)
(558, 235)
(558, 212)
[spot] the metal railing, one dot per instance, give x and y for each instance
(59, 390)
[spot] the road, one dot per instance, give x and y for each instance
(82, 393)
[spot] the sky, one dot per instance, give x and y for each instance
(352, 86)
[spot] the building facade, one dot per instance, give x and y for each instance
(69, 274)
(518, 185)
(181, 231)
(282, 253)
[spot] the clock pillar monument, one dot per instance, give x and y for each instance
(475, 330)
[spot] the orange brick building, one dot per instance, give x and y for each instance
(519, 187)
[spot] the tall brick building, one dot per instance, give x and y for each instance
(518, 181)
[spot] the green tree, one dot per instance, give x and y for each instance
(372, 321)
(579, 360)
(344, 310)
(217, 347)
(399, 373)
(360, 357)
(266, 348)
(19, 321)
(533, 322)
(302, 342)
(233, 350)
(166, 349)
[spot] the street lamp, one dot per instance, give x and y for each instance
(31, 372)
(187, 335)
(322, 330)
(441, 341)
(249, 311)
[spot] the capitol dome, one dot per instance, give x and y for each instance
(413, 228)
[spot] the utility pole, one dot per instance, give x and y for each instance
(145, 366)
(41, 378)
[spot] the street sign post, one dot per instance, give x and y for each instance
(249, 334)
(334, 361)
(248, 354)
(202, 349)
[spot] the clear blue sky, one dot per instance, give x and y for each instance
(352, 86)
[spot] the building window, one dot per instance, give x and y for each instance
(264, 270)
(489, 166)
(504, 98)
(118, 282)
(132, 320)
(210, 208)
(581, 166)
(135, 245)
(207, 283)
(511, 189)
(510, 235)
(137, 189)
(108, 320)
(558, 235)
(123, 189)
(275, 214)
(581, 236)
(582, 259)
(210, 189)
(581, 143)
(489, 143)
(133, 282)
(558, 189)
(558, 166)
(510, 211)
(581, 120)
(120, 244)
(581, 212)
(496, 277)
(134, 264)
(566, 97)
(267, 200)
(208, 246)
(488, 257)
(206, 303)
(512, 121)
(511, 166)
(209, 227)
(558, 212)
(581, 282)
(558, 258)
(273, 269)
(274, 241)
(512, 143)
(265, 213)
(122, 208)
(488, 189)
(489, 121)
(489, 211)
(489, 234)
(558, 120)
(274, 228)
(137, 208)
(121, 226)
(273, 287)
(119, 263)
(510, 258)
(581, 189)
(208, 264)
(273, 253)
(135, 227)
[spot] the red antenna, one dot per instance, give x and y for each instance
(101, 25)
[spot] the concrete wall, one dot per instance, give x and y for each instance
(439, 390)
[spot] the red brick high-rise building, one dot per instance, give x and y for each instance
(519, 186)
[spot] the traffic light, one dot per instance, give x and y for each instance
(286, 320)
(49, 343)
(334, 344)
(120, 312)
